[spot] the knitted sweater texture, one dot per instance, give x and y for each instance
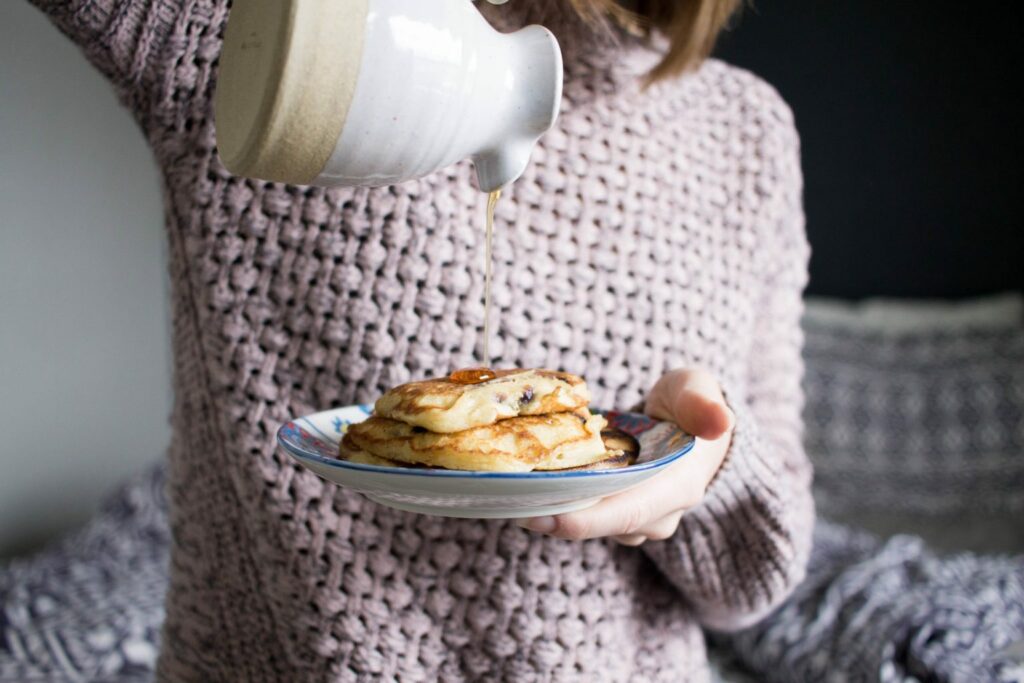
(653, 229)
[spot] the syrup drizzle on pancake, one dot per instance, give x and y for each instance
(472, 376)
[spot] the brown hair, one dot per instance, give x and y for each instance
(691, 26)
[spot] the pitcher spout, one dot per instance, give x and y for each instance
(532, 75)
(497, 168)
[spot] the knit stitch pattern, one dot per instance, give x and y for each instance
(653, 229)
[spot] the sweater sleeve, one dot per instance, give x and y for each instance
(125, 39)
(742, 551)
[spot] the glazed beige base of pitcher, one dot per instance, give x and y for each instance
(288, 71)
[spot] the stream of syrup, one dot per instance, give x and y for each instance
(492, 201)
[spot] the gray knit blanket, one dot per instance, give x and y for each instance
(890, 611)
(90, 608)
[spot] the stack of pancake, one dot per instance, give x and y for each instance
(489, 420)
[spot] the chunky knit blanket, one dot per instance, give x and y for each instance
(892, 612)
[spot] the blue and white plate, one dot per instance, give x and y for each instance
(313, 441)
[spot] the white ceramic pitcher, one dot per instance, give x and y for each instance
(376, 92)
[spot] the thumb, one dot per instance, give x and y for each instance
(693, 399)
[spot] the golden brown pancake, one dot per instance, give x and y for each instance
(621, 450)
(353, 454)
(445, 406)
(521, 444)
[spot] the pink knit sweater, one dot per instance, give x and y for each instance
(652, 230)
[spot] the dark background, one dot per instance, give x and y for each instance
(911, 136)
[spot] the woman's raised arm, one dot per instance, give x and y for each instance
(127, 40)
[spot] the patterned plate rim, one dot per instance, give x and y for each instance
(301, 454)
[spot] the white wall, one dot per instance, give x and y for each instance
(84, 340)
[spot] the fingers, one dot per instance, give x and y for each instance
(659, 530)
(664, 528)
(651, 510)
(630, 539)
(693, 400)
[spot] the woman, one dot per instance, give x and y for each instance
(654, 245)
